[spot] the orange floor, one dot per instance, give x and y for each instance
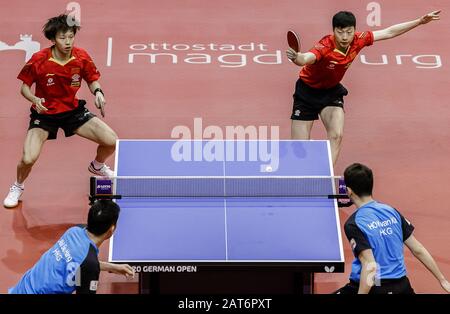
(397, 113)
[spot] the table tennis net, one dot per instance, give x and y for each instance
(218, 186)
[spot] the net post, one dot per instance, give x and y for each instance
(92, 186)
(92, 189)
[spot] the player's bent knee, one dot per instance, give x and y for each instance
(111, 140)
(336, 137)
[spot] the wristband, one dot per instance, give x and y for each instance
(98, 90)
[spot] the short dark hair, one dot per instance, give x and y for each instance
(359, 178)
(344, 19)
(59, 24)
(102, 215)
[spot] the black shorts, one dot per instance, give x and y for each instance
(69, 121)
(388, 286)
(309, 101)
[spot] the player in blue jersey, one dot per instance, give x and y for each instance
(72, 263)
(377, 233)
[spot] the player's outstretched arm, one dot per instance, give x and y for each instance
(398, 29)
(422, 254)
(299, 58)
(120, 269)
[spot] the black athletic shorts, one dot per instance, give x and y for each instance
(309, 101)
(388, 286)
(69, 121)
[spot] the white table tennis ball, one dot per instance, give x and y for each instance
(268, 169)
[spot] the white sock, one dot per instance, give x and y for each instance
(20, 185)
(97, 165)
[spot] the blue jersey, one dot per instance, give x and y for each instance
(382, 229)
(71, 264)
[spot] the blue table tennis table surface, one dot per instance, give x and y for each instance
(225, 231)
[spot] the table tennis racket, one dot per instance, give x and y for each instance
(102, 110)
(293, 40)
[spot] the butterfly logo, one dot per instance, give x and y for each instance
(329, 269)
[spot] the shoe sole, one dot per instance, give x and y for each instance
(11, 206)
(99, 174)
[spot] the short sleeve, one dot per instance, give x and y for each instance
(89, 274)
(319, 50)
(322, 48)
(90, 72)
(28, 72)
(407, 227)
(358, 240)
(366, 38)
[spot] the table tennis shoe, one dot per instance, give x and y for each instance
(104, 171)
(12, 199)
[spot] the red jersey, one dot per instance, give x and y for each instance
(58, 82)
(331, 64)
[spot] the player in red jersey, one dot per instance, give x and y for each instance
(57, 72)
(318, 91)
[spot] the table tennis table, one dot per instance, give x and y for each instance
(200, 234)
